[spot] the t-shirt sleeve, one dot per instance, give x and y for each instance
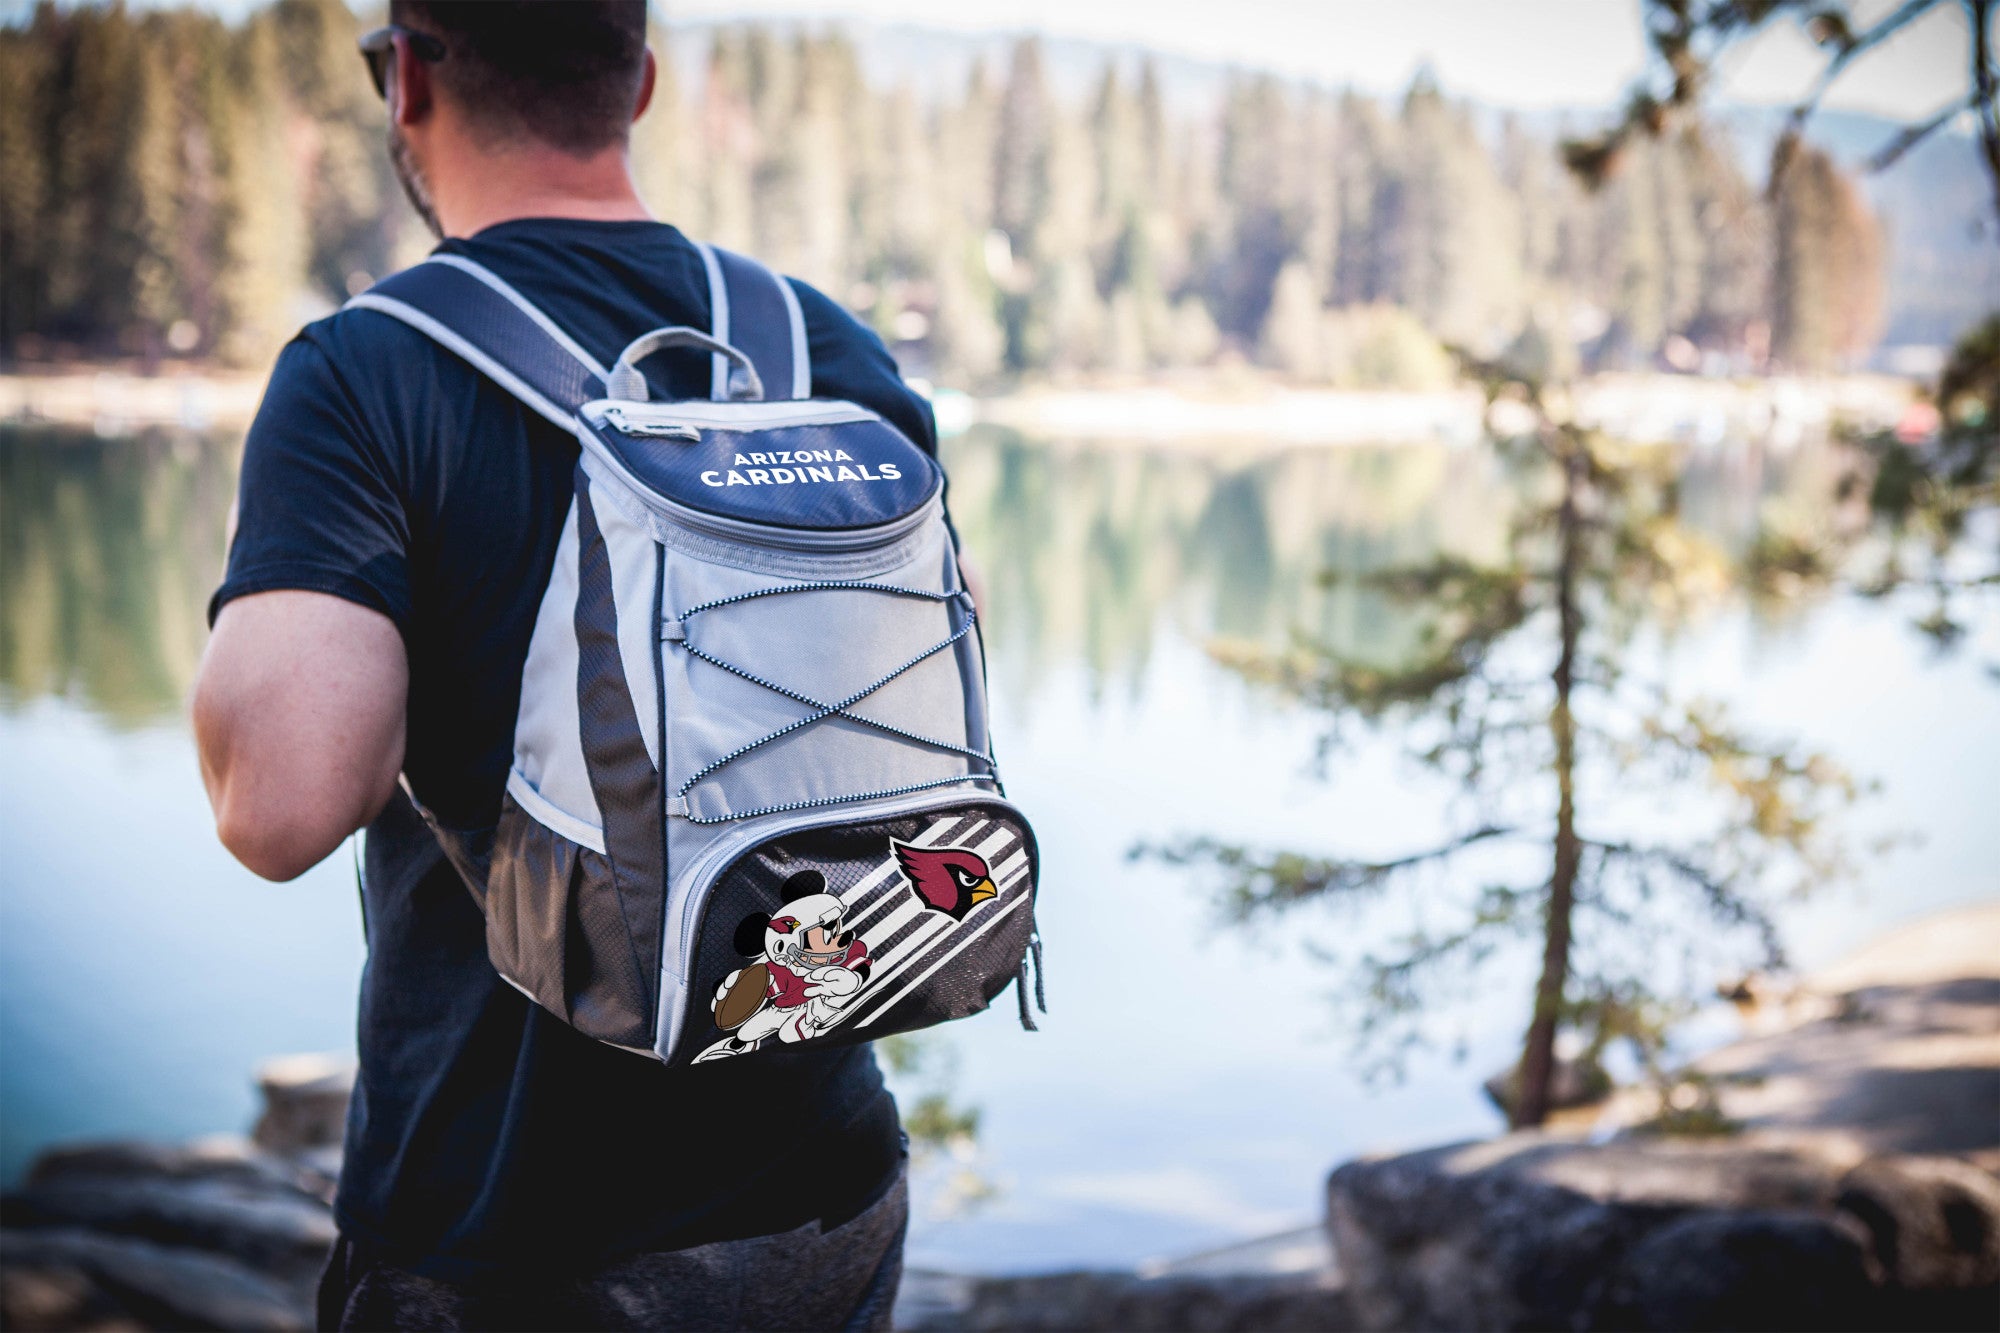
(849, 361)
(319, 508)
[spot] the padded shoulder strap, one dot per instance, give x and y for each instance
(470, 311)
(757, 311)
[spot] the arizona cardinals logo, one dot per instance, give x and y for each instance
(951, 880)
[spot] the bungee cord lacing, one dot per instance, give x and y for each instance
(675, 630)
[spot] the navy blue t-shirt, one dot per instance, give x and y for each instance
(485, 1134)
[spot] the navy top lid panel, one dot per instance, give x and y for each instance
(833, 466)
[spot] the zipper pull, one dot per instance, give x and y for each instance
(652, 430)
(1033, 955)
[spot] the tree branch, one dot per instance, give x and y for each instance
(1727, 905)
(1910, 11)
(1892, 152)
(1285, 879)
(1986, 104)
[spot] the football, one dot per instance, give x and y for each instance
(745, 998)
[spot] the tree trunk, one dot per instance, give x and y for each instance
(1538, 1057)
(1987, 112)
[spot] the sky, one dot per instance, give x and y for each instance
(1529, 53)
(1505, 53)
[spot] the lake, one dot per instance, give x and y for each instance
(1191, 1085)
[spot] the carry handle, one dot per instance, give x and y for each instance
(628, 385)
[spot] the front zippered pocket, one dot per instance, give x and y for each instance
(738, 840)
(929, 906)
(810, 477)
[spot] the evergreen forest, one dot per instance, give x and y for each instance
(183, 187)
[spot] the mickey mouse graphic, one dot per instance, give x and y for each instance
(810, 966)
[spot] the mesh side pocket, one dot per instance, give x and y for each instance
(557, 929)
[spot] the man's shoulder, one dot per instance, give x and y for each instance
(367, 358)
(348, 340)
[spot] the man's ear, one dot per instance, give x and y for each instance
(801, 884)
(647, 81)
(410, 88)
(749, 937)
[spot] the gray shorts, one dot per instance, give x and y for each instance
(845, 1278)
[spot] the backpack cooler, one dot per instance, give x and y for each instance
(753, 802)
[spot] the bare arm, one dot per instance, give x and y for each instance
(298, 714)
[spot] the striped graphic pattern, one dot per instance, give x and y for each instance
(908, 942)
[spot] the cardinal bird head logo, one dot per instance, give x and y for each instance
(951, 880)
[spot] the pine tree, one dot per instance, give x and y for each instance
(1257, 175)
(1022, 145)
(25, 59)
(1291, 339)
(153, 216)
(664, 143)
(1827, 297)
(265, 241)
(729, 143)
(1516, 690)
(92, 248)
(1735, 227)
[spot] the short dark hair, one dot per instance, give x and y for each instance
(566, 72)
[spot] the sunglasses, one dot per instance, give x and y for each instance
(378, 48)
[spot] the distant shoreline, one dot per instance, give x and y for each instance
(1252, 411)
(115, 400)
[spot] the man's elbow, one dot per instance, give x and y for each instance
(276, 845)
(273, 849)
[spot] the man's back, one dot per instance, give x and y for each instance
(485, 1132)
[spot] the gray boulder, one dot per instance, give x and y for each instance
(64, 1278)
(223, 1197)
(1932, 1226)
(1534, 1232)
(1047, 1303)
(1712, 1269)
(305, 1102)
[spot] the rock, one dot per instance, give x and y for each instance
(1533, 1232)
(65, 1278)
(223, 1158)
(287, 1237)
(1895, 1050)
(1848, 1192)
(1448, 1239)
(305, 1102)
(1715, 1269)
(1933, 1227)
(222, 1196)
(1093, 1300)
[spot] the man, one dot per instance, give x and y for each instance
(398, 520)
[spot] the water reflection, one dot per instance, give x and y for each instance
(109, 549)
(1090, 552)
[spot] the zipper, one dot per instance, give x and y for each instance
(744, 417)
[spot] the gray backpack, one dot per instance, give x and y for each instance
(753, 803)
